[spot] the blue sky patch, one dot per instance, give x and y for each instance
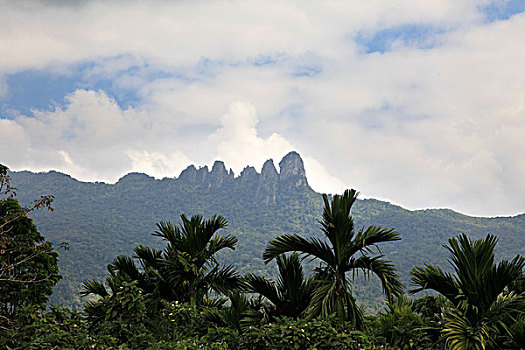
(307, 70)
(305, 65)
(293, 110)
(210, 67)
(46, 89)
(413, 35)
(267, 60)
(502, 10)
(34, 89)
(387, 115)
(308, 64)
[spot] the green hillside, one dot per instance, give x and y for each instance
(101, 221)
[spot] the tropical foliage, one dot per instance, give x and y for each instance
(483, 307)
(189, 263)
(28, 263)
(102, 221)
(345, 251)
(186, 270)
(291, 294)
(182, 297)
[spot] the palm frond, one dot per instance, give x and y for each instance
(124, 265)
(291, 294)
(197, 232)
(507, 308)
(216, 303)
(294, 288)
(93, 287)
(309, 247)
(218, 243)
(323, 299)
(232, 315)
(518, 285)
(485, 302)
(384, 270)
(262, 286)
(168, 232)
(460, 334)
(372, 235)
(326, 301)
(147, 256)
(222, 280)
(432, 277)
(337, 223)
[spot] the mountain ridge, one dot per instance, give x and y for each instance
(249, 171)
(101, 221)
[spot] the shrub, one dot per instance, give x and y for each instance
(58, 328)
(300, 334)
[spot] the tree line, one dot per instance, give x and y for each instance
(181, 297)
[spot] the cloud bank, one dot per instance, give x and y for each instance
(419, 103)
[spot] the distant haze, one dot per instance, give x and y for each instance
(421, 103)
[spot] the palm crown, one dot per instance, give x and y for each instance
(483, 304)
(291, 293)
(189, 258)
(344, 251)
(186, 270)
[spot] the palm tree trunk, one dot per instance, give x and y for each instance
(193, 301)
(340, 306)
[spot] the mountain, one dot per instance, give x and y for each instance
(101, 221)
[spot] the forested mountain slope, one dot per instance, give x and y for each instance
(101, 221)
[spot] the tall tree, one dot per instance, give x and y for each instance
(189, 260)
(186, 270)
(343, 252)
(28, 264)
(483, 306)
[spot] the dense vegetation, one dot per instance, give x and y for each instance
(101, 221)
(28, 264)
(180, 292)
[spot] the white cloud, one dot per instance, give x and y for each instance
(238, 144)
(93, 139)
(439, 127)
(157, 164)
(180, 32)
(86, 139)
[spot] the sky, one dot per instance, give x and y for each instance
(420, 103)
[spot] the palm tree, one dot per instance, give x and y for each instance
(96, 310)
(483, 306)
(345, 251)
(291, 294)
(189, 261)
(231, 315)
(516, 338)
(186, 270)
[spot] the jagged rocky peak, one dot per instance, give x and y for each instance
(268, 170)
(189, 174)
(292, 167)
(249, 179)
(218, 167)
(264, 184)
(202, 174)
(267, 187)
(248, 173)
(219, 175)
